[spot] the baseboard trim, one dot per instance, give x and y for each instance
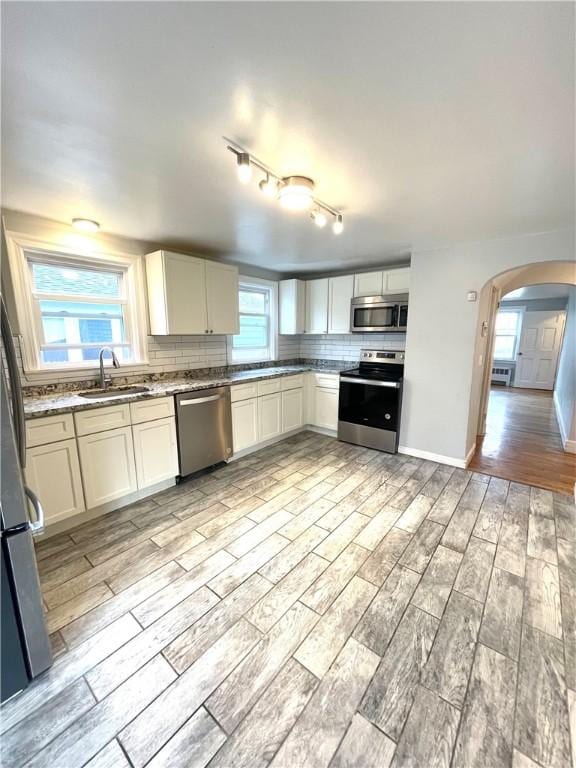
(569, 445)
(438, 457)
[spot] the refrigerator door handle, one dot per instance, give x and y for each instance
(36, 526)
(15, 385)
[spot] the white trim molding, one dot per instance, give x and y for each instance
(569, 445)
(438, 457)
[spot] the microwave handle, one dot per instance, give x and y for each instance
(395, 315)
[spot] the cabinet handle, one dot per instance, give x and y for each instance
(211, 331)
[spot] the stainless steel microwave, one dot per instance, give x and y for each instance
(379, 314)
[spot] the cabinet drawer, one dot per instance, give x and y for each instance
(327, 380)
(101, 419)
(292, 382)
(243, 391)
(269, 386)
(49, 429)
(150, 410)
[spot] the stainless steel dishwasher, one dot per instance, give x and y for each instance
(204, 422)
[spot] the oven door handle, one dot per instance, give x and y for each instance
(371, 382)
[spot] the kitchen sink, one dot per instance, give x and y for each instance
(96, 394)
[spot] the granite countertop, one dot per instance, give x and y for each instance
(68, 402)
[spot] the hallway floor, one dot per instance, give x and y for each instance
(522, 441)
(314, 604)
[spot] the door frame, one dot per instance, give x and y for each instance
(489, 354)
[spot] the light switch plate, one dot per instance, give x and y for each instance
(471, 296)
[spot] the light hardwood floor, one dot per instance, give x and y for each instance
(522, 441)
(314, 604)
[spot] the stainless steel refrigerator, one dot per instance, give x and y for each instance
(25, 645)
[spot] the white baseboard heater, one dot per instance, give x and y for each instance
(501, 374)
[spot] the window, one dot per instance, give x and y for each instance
(257, 338)
(507, 334)
(71, 305)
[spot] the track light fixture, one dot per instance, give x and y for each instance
(294, 193)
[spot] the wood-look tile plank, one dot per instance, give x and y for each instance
(501, 624)
(459, 529)
(188, 559)
(381, 524)
(391, 693)
(265, 727)
(304, 520)
(521, 761)
(383, 615)
(430, 732)
(448, 667)
(419, 551)
(197, 639)
(156, 724)
(486, 731)
(303, 501)
(116, 668)
(572, 722)
(318, 731)
(437, 482)
(376, 500)
(245, 566)
(337, 541)
(329, 636)
(414, 514)
(72, 609)
(233, 699)
(280, 565)
(377, 567)
(567, 574)
(185, 528)
(444, 506)
(86, 737)
(259, 533)
(565, 517)
(542, 503)
(64, 573)
(542, 539)
(542, 606)
(434, 588)
(193, 745)
(109, 757)
(511, 550)
(363, 745)
(328, 586)
(541, 729)
(474, 575)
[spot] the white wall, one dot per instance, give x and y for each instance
(443, 371)
(565, 390)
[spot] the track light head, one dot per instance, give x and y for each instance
(338, 225)
(243, 167)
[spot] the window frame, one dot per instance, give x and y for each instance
(23, 250)
(235, 355)
(517, 311)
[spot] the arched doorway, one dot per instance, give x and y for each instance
(523, 401)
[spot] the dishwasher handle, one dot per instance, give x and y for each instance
(198, 400)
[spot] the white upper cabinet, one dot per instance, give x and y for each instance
(187, 295)
(340, 292)
(368, 284)
(222, 298)
(292, 314)
(396, 281)
(317, 306)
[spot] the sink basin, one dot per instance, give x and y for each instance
(96, 394)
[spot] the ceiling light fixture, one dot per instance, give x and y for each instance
(294, 193)
(86, 225)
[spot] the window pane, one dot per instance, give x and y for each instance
(504, 347)
(252, 301)
(74, 322)
(76, 281)
(253, 332)
(77, 355)
(507, 321)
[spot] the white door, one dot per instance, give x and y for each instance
(341, 290)
(244, 424)
(269, 416)
(53, 473)
(540, 343)
(108, 469)
(222, 298)
(368, 284)
(396, 281)
(155, 451)
(317, 305)
(326, 408)
(292, 409)
(185, 294)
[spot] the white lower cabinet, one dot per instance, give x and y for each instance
(269, 416)
(155, 451)
(292, 409)
(245, 423)
(53, 473)
(108, 468)
(326, 408)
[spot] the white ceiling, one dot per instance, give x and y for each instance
(539, 292)
(426, 123)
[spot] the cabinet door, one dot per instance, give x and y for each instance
(244, 424)
(326, 411)
(368, 284)
(340, 292)
(53, 473)
(222, 298)
(292, 314)
(185, 294)
(155, 451)
(269, 416)
(317, 305)
(397, 281)
(107, 461)
(292, 409)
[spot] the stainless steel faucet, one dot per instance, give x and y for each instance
(105, 381)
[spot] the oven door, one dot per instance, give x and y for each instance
(369, 403)
(373, 317)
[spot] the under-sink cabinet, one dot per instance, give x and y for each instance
(108, 466)
(53, 472)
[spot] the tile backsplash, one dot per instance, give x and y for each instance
(347, 346)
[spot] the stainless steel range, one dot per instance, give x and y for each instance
(370, 401)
